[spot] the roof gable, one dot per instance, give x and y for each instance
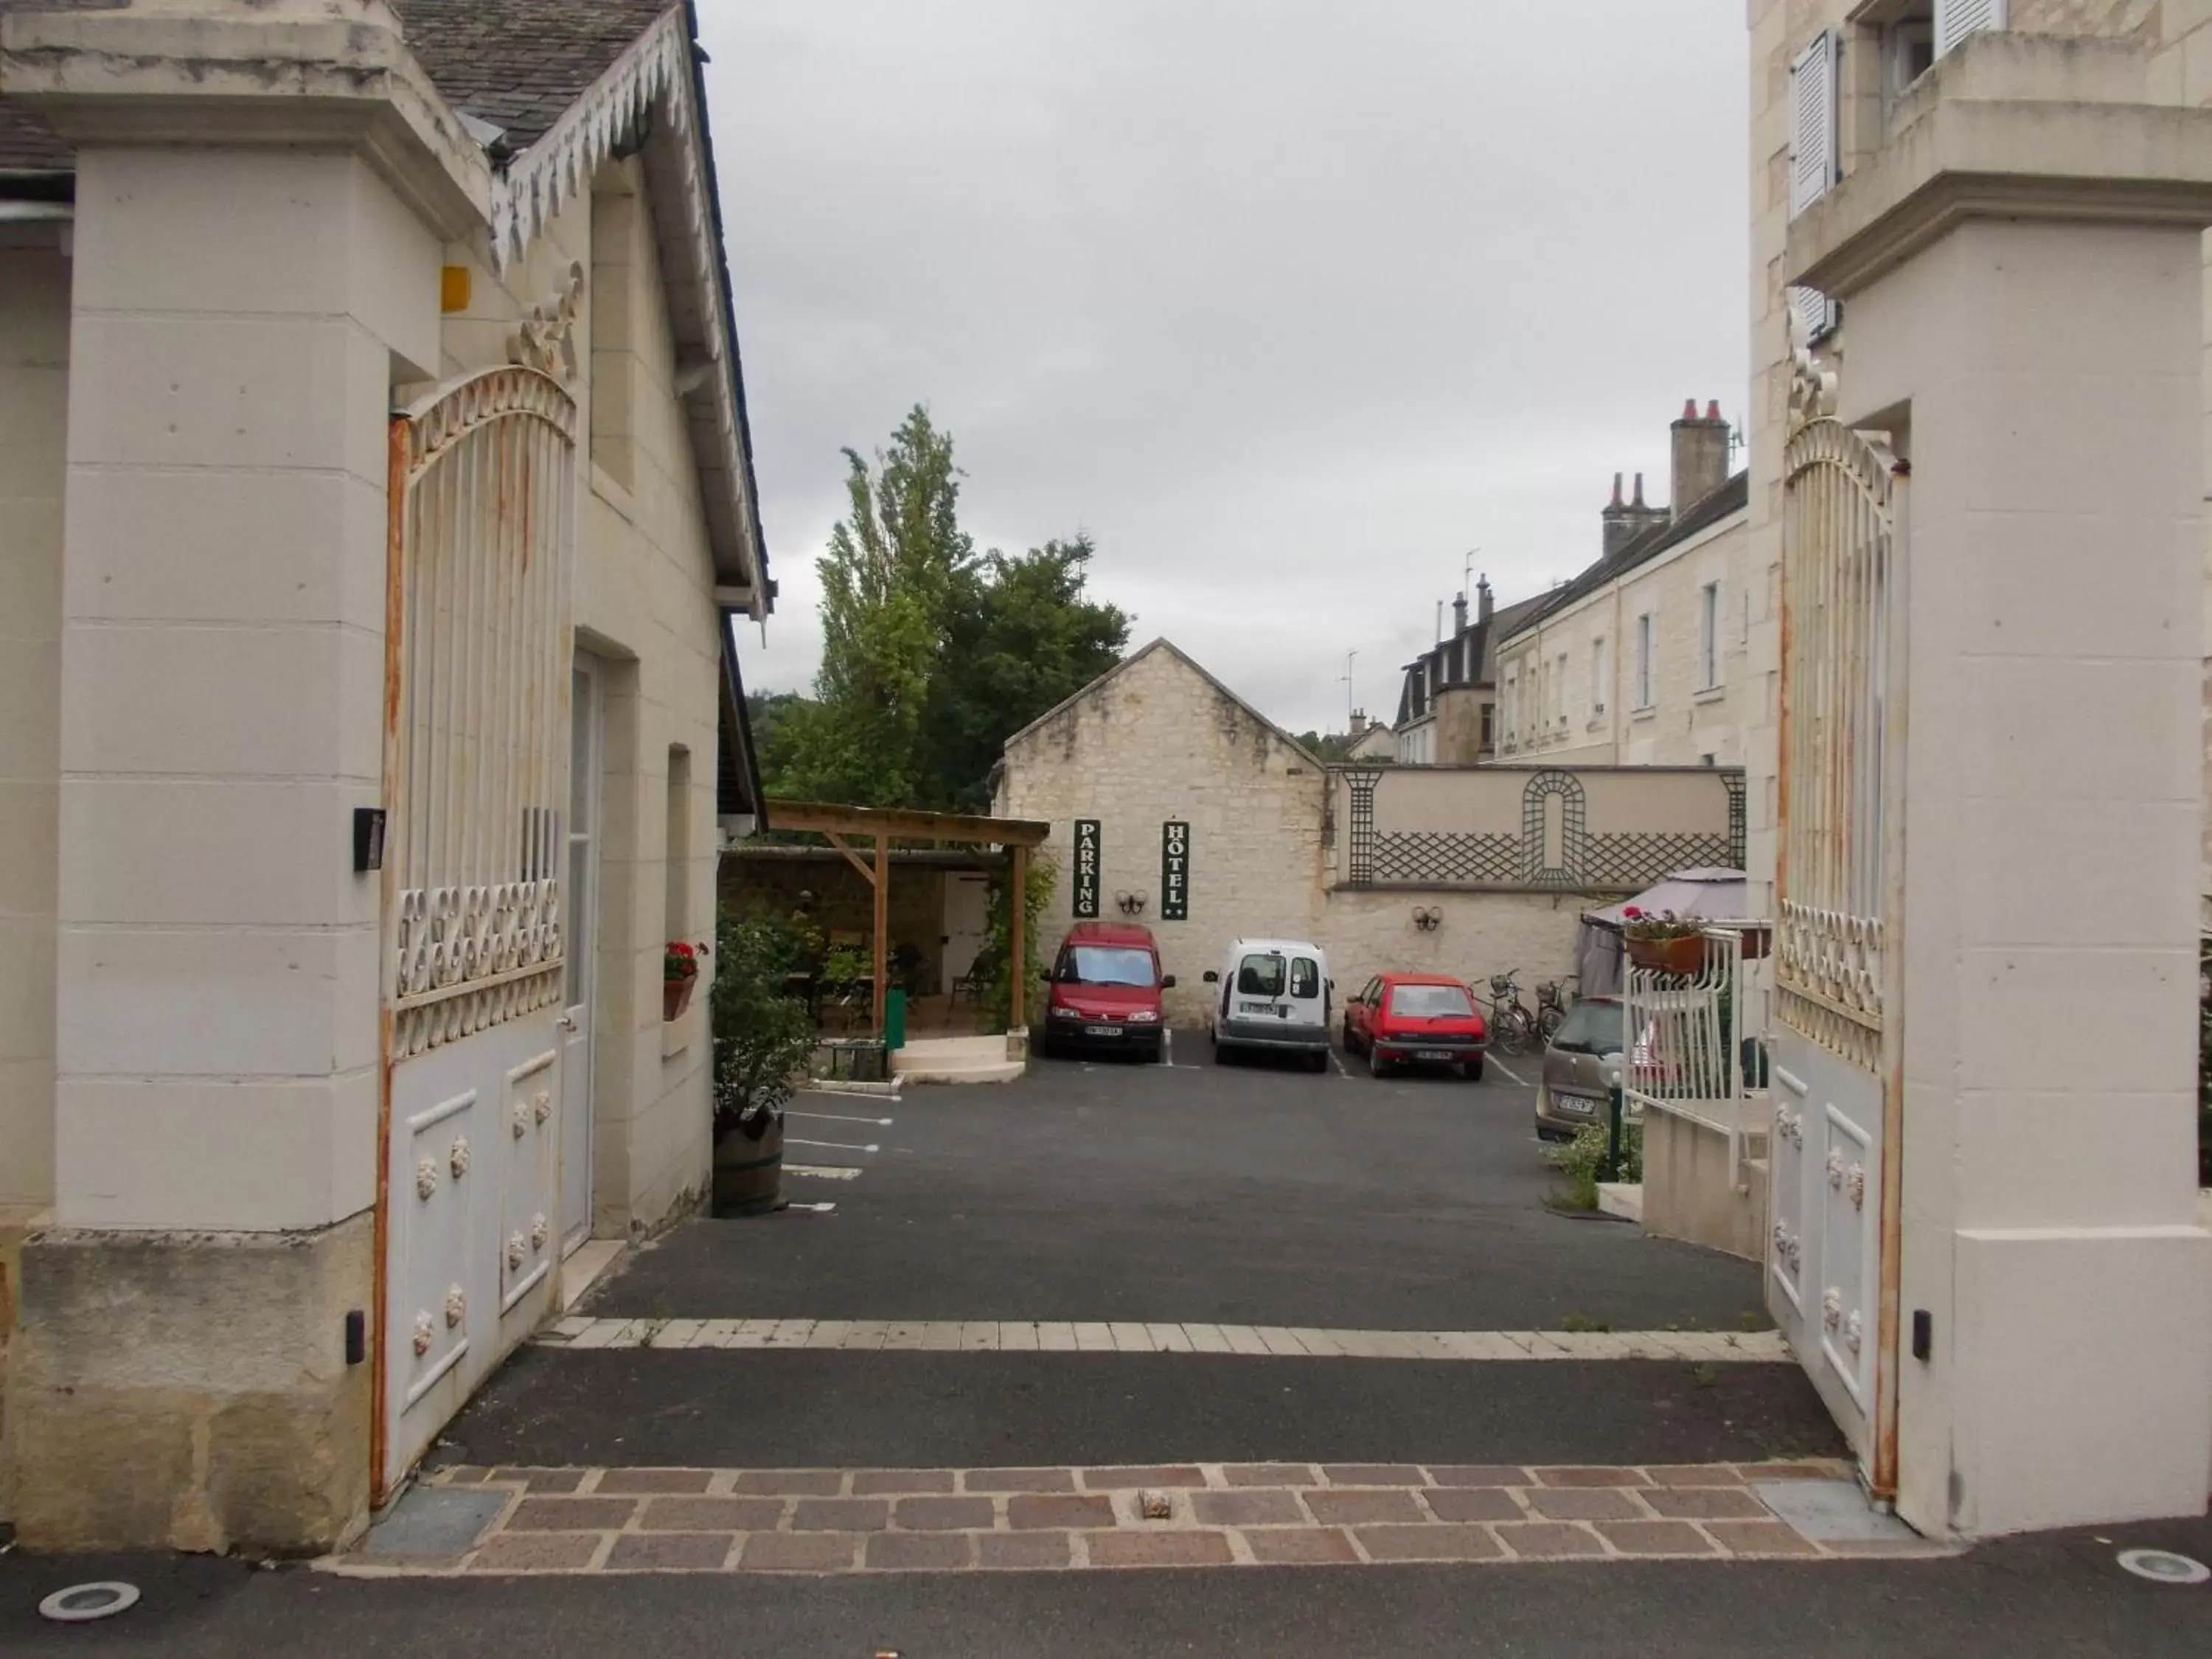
(1186, 660)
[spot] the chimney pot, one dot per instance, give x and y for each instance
(1616, 490)
(1459, 615)
(1482, 596)
(1713, 409)
(1640, 491)
(1690, 408)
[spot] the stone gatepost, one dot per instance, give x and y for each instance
(262, 196)
(2020, 267)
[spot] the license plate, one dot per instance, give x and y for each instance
(1101, 1030)
(1266, 1010)
(1432, 1053)
(1574, 1105)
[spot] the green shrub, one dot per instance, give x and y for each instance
(763, 1036)
(1581, 1162)
(998, 1001)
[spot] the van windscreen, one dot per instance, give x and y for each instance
(1106, 964)
(1261, 976)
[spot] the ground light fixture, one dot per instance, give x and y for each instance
(2164, 1567)
(1131, 904)
(79, 1604)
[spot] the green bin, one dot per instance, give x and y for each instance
(894, 1022)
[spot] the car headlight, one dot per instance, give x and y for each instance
(1143, 1017)
(1066, 1013)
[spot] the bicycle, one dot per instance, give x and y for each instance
(1551, 1009)
(1513, 1029)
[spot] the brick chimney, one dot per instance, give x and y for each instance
(1701, 455)
(1459, 616)
(1485, 605)
(1626, 520)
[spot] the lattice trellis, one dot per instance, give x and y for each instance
(1739, 821)
(1361, 871)
(1574, 851)
(1639, 858)
(1421, 857)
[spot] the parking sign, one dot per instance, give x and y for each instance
(1086, 868)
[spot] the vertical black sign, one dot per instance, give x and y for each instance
(1175, 872)
(1086, 868)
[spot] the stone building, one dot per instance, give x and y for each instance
(1447, 702)
(1465, 870)
(1640, 660)
(377, 491)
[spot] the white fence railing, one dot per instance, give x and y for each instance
(1683, 1039)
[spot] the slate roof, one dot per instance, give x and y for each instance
(517, 64)
(1730, 499)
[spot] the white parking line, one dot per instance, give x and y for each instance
(1337, 1060)
(833, 1146)
(1508, 1070)
(839, 1117)
(823, 1171)
(1167, 1048)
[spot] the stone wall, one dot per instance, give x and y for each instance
(1159, 740)
(34, 317)
(1530, 935)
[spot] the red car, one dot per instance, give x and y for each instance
(1416, 1019)
(1106, 991)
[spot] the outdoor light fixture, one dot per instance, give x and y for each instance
(1133, 904)
(1428, 920)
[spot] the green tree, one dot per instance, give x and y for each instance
(1024, 636)
(888, 583)
(1335, 746)
(932, 656)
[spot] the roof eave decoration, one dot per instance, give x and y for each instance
(653, 85)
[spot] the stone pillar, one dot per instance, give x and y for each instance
(241, 309)
(2021, 274)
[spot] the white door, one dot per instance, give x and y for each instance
(967, 923)
(587, 722)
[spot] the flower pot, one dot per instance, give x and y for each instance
(749, 1172)
(1683, 956)
(675, 996)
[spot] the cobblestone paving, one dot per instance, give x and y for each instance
(1050, 1336)
(864, 1521)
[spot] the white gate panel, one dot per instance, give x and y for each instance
(476, 767)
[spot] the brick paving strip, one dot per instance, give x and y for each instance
(1258, 1341)
(601, 1520)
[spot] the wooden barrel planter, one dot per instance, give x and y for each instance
(749, 1173)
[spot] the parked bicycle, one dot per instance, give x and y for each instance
(1551, 1009)
(1513, 1027)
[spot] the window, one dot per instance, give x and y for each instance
(1908, 47)
(1305, 978)
(1260, 977)
(1430, 1002)
(1489, 724)
(1643, 669)
(1594, 1025)
(677, 872)
(1100, 964)
(1559, 691)
(1597, 676)
(1709, 637)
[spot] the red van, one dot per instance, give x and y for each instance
(1105, 991)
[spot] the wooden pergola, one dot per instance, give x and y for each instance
(843, 826)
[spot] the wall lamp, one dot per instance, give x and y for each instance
(1428, 920)
(1131, 904)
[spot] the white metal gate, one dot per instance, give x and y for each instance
(1683, 1044)
(1831, 1253)
(478, 659)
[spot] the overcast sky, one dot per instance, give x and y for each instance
(1289, 305)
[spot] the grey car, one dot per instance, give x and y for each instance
(1580, 1067)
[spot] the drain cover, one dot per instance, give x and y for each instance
(2164, 1567)
(79, 1604)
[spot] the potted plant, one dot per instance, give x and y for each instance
(764, 1038)
(1663, 941)
(679, 978)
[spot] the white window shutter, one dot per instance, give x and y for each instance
(1956, 19)
(1813, 315)
(1813, 135)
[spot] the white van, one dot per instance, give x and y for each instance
(1272, 994)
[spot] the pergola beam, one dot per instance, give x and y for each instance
(866, 823)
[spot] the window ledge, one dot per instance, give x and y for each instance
(1649, 711)
(1599, 722)
(1711, 694)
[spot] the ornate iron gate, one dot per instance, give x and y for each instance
(476, 753)
(1831, 1251)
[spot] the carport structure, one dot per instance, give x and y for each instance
(879, 826)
